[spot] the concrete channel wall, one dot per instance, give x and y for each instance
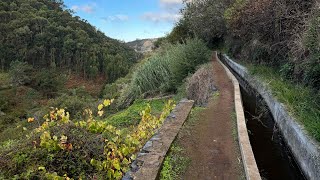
(249, 162)
(304, 148)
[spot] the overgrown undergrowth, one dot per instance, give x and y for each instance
(302, 102)
(63, 148)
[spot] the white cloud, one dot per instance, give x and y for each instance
(117, 17)
(171, 5)
(171, 2)
(161, 17)
(88, 8)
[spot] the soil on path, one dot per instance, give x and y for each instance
(210, 145)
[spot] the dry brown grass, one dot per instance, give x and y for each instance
(93, 87)
(200, 85)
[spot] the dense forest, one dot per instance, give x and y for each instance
(45, 34)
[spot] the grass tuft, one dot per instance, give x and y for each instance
(174, 164)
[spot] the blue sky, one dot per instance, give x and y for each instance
(128, 20)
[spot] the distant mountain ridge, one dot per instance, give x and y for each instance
(142, 45)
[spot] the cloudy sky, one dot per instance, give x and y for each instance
(128, 20)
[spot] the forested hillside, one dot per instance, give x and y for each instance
(45, 34)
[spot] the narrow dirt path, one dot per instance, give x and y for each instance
(210, 144)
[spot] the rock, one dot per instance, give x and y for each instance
(147, 145)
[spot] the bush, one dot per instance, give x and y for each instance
(25, 160)
(7, 120)
(287, 41)
(205, 19)
(153, 76)
(312, 46)
(113, 90)
(20, 73)
(4, 103)
(185, 59)
(48, 82)
(4, 80)
(61, 148)
(287, 70)
(74, 104)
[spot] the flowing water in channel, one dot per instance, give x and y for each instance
(274, 159)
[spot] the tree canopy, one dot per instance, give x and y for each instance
(45, 34)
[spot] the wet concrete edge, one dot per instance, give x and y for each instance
(305, 149)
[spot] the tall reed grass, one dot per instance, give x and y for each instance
(166, 71)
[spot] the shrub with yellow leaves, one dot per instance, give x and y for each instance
(118, 146)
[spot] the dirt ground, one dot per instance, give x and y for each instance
(93, 87)
(210, 145)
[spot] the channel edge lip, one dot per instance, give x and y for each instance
(271, 152)
(248, 159)
(304, 147)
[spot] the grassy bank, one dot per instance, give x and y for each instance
(131, 115)
(176, 162)
(302, 102)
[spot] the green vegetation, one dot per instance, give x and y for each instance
(43, 45)
(165, 71)
(75, 104)
(290, 46)
(287, 43)
(4, 79)
(174, 164)
(113, 90)
(302, 102)
(131, 115)
(46, 35)
(154, 75)
(61, 148)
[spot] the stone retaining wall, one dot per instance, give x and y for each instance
(149, 160)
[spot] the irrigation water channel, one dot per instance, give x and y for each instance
(273, 157)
